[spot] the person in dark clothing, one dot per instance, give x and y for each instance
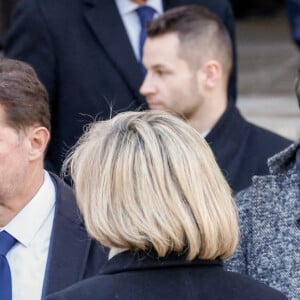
(150, 190)
(83, 53)
(49, 247)
(270, 223)
(188, 57)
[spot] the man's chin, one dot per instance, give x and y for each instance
(156, 106)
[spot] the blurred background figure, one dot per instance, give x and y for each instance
(88, 55)
(149, 188)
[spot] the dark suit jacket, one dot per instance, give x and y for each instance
(81, 52)
(242, 149)
(142, 276)
(73, 256)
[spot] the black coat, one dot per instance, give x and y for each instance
(242, 149)
(72, 256)
(82, 54)
(128, 277)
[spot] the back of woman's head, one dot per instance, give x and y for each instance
(147, 180)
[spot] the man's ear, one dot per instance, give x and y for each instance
(211, 74)
(38, 138)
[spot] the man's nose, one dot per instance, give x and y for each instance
(147, 87)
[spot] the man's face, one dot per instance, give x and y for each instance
(13, 159)
(171, 83)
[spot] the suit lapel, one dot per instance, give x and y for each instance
(70, 244)
(104, 20)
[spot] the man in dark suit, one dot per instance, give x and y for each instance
(188, 57)
(83, 52)
(38, 212)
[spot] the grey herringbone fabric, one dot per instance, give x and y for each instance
(270, 225)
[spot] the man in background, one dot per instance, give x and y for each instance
(88, 55)
(188, 57)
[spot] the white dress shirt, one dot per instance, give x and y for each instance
(32, 227)
(131, 20)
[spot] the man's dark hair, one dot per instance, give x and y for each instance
(23, 97)
(199, 32)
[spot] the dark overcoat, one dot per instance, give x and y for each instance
(242, 148)
(140, 276)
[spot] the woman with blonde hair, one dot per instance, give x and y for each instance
(148, 188)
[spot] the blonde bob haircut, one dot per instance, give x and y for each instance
(148, 181)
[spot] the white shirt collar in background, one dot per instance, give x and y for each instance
(131, 20)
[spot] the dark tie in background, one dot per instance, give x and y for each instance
(6, 243)
(145, 14)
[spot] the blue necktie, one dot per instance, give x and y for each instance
(6, 243)
(145, 14)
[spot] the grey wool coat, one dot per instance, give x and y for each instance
(270, 225)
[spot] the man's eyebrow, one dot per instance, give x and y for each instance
(160, 66)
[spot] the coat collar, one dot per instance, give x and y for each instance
(231, 121)
(285, 160)
(129, 261)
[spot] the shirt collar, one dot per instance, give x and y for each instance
(28, 221)
(205, 133)
(127, 6)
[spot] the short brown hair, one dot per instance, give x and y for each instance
(199, 32)
(22, 95)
